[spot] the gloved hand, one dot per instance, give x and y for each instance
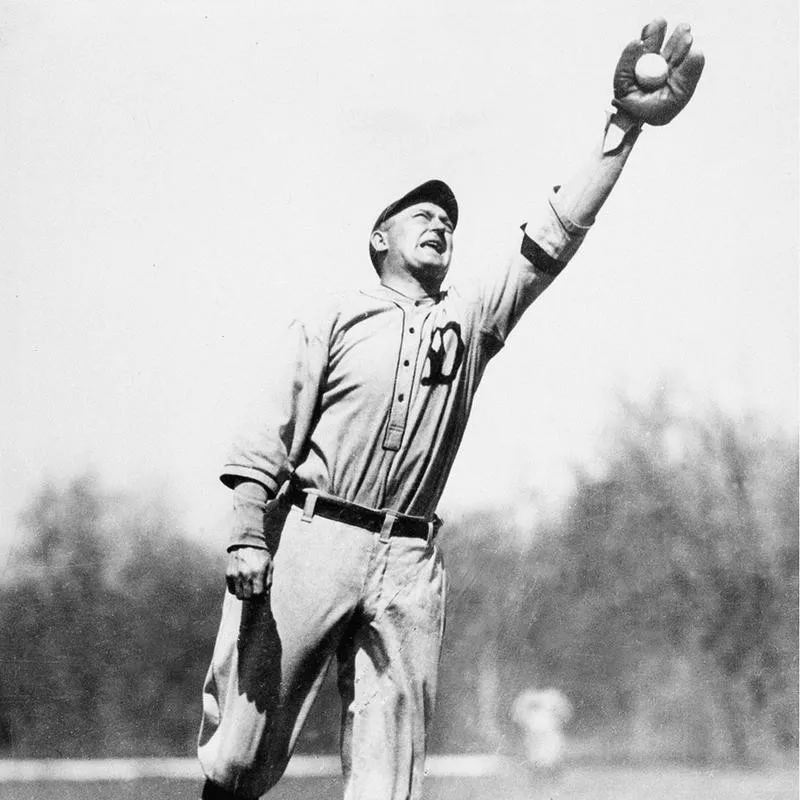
(685, 64)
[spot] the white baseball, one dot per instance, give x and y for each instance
(651, 71)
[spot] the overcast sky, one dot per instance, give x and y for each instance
(176, 177)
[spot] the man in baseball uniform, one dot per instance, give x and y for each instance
(332, 553)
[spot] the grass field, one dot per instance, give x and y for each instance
(575, 784)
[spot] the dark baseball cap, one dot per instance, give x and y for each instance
(433, 191)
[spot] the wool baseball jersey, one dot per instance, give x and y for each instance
(371, 394)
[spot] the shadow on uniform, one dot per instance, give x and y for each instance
(260, 651)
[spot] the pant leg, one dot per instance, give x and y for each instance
(388, 674)
(270, 656)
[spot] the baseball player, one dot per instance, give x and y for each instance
(541, 716)
(332, 555)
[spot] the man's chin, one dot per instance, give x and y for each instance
(435, 266)
(433, 276)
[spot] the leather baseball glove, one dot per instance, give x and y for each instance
(685, 64)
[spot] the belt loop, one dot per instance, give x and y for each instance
(433, 527)
(386, 529)
(309, 506)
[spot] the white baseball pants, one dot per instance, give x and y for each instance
(375, 603)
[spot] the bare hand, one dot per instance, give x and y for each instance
(685, 64)
(249, 572)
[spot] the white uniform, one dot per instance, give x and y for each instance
(541, 716)
(369, 406)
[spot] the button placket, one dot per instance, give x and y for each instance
(404, 374)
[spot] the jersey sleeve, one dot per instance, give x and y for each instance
(274, 440)
(547, 243)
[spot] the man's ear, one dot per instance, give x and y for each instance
(379, 241)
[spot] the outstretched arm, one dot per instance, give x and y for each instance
(551, 238)
(580, 198)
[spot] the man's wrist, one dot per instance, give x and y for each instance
(249, 507)
(621, 128)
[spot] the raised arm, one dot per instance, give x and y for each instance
(582, 196)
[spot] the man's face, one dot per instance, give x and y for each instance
(419, 239)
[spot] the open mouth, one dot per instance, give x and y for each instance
(434, 244)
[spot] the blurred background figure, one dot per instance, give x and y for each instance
(541, 716)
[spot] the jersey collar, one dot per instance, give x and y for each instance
(383, 292)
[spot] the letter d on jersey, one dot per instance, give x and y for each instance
(444, 355)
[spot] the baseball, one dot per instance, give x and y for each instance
(651, 72)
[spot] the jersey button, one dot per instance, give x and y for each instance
(411, 330)
(406, 363)
(401, 397)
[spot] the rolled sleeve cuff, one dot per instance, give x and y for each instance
(233, 473)
(555, 233)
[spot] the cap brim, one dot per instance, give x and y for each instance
(433, 191)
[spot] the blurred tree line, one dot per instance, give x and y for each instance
(663, 601)
(104, 628)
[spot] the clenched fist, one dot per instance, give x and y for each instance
(685, 64)
(249, 572)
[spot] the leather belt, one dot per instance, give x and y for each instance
(387, 523)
